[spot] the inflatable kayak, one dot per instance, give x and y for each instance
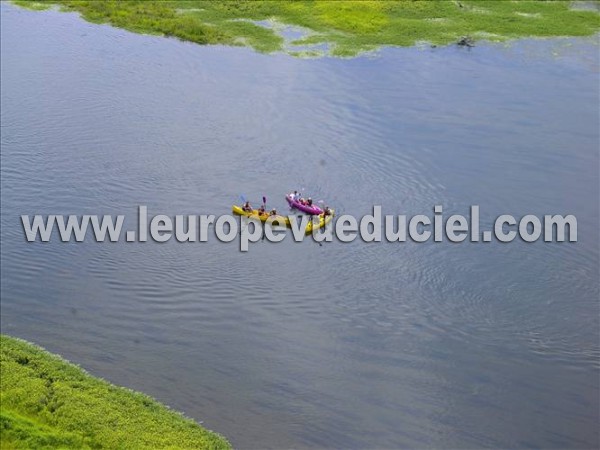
(312, 210)
(262, 217)
(322, 221)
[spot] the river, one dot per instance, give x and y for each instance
(292, 345)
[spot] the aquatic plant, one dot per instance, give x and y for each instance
(47, 402)
(339, 28)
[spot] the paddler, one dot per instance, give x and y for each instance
(247, 207)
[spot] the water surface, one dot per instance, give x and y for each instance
(299, 345)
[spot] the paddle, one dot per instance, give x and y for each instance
(302, 193)
(243, 199)
(265, 208)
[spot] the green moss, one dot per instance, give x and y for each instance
(46, 402)
(33, 5)
(348, 27)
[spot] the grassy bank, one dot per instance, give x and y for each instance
(46, 402)
(342, 28)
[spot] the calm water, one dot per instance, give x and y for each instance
(296, 345)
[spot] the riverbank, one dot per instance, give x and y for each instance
(47, 402)
(307, 28)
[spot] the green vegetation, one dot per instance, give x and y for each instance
(46, 402)
(340, 28)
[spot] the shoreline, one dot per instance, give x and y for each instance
(47, 401)
(340, 29)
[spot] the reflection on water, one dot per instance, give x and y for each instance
(296, 345)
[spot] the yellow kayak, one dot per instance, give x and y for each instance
(322, 221)
(262, 217)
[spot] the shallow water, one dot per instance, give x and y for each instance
(299, 345)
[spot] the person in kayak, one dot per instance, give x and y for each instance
(295, 196)
(273, 212)
(309, 201)
(261, 210)
(326, 211)
(247, 207)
